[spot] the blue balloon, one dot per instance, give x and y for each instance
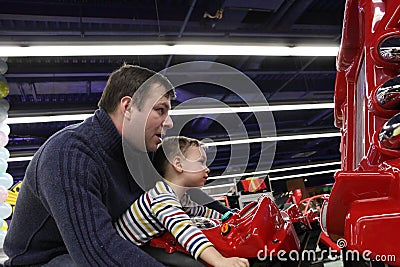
(3, 79)
(6, 180)
(4, 153)
(2, 237)
(5, 210)
(3, 67)
(5, 128)
(4, 105)
(3, 165)
(3, 114)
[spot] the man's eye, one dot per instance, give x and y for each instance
(160, 111)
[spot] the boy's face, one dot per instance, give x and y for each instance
(194, 167)
(146, 127)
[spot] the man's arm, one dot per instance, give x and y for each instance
(73, 193)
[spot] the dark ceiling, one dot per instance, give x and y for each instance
(60, 85)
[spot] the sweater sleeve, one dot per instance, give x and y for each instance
(169, 212)
(194, 209)
(72, 189)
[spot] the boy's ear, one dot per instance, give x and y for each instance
(177, 163)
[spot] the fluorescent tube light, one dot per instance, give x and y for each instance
(36, 119)
(275, 170)
(15, 159)
(175, 49)
(275, 178)
(272, 139)
(208, 111)
(176, 112)
(302, 175)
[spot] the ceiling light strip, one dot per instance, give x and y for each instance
(208, 111)
(16, 159)
(174, 49)
(243, 141)
(276, 178)
(301, 175)
(256, 173)
(273, 139)
(176, 112)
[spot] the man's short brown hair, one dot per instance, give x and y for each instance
(126, 81)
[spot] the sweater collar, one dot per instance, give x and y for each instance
(108, 134)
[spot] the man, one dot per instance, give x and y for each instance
(78, 182)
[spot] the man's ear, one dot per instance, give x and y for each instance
(125, 106)
(177, 163)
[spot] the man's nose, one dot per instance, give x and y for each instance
(168, 123)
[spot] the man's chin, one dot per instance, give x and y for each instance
(152, 147)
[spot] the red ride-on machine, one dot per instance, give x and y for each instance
(257, 232)
(364, 206)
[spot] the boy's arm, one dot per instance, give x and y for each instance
(193, 209)
(178, 223)
(169, 212)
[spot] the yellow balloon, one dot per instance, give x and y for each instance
(4, 89)
(4, 226)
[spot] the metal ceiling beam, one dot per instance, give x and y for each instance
(106, 74)
(185, 22)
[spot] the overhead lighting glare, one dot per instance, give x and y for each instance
(208, 111)
(295, 168)
(176, 49)
(273, 139)
(177, 112)
(15, 159)
(37, 119)
(275, 178)
(302, 175)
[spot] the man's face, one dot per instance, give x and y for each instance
(145, 127)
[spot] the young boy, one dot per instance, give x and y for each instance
(182, 163)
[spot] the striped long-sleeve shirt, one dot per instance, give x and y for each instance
(160, 209)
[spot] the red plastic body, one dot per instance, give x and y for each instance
(364, 206)
(258, 228)
(313, 216)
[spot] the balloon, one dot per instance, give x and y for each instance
(4, 89)
(3, 193)
(3, 139)
(6, 180)
(3, 79)
(3, 67)
(4, 58)
(4, 105)
(2, 237)
(4, 153)
(4, 226)
(5, 210)
(3, 114)
(5, 128)
(3, 165)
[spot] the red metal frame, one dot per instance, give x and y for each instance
(364, 206)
